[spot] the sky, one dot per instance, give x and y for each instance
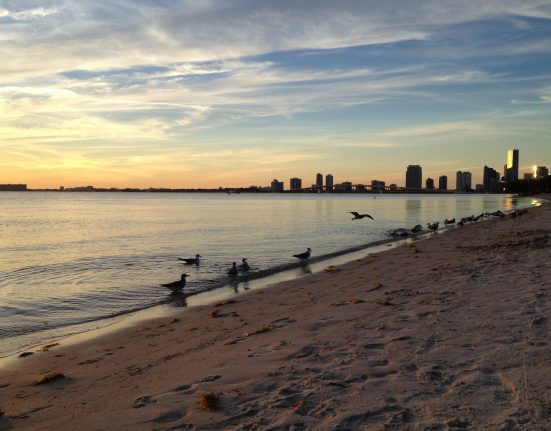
(209, 93)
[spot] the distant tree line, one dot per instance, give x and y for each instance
(530, 187)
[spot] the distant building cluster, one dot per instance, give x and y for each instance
(492, 182)
(13, 187)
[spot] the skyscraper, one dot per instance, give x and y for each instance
(443, 182)
(511, 170)
(459, 182)
(319, 180)
(429, 184)
(463, 181)
(295, 184)
(329, 181)
(414, 177)
(490, 180)
(277, 186)
(540, 172)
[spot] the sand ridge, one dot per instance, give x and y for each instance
(451, 333)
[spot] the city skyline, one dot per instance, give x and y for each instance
(204, 94)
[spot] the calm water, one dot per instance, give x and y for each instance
(68, 258)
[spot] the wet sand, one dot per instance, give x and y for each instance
(451, 333)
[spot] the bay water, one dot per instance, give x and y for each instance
(67, 258)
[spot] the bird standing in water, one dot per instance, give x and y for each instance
(177, 286)
(244, 265)
(191, 260)
(233, 270)
(305, 255)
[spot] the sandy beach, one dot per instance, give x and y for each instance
(449, 333)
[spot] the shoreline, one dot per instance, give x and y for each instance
(367, 343)
(173, 305)
(170, 306)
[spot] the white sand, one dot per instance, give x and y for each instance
(451, 333)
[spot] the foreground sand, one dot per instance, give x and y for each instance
(451, 333)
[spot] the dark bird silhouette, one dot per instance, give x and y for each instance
(433, 226)
(358, 216)
(417, 228)
(177, 286)
(399, 233)
(305, 255)
(233, 270)
(244, 265)
(191, 260)
(452, 221)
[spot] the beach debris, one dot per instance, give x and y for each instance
(209, 401)
(214, 313)
(170, 322)
(24, 354)
(258, 331)
(50, 377)
(228, 302)
(384, 302)
(49, 346)
(356, 301)
(376, 286)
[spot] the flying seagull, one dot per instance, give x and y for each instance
(358, 216)
(191, 260)
(305, 255)
(177, 286)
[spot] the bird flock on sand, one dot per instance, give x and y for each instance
(433, 227)
(400, 233)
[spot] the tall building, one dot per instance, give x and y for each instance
(295, 184)
(459, 182)
(277, 186)
(319, 180)
(463, 181)
(429, 184)
(511, 170)
(490, 180)
(540, 172)
(377, 186)
(414, 177)
(329, 181)
(443, 182)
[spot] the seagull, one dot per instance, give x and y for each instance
(245, 265)
(305, 255)
(452, 221)
(233, 269)
(191, 260)
(358, 216)
(399, 233)
(416, 228)
(177, 286)
(433, 226)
